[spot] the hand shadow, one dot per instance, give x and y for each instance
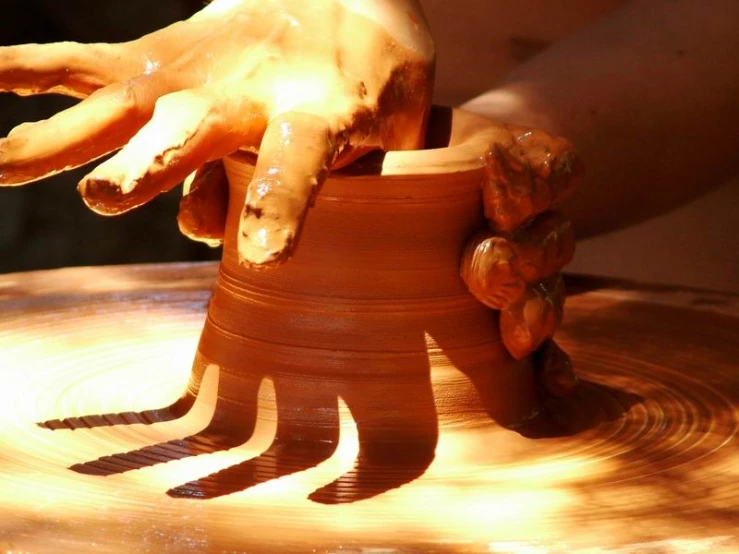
(396, 416)
(396, 424)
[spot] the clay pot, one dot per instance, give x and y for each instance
(370, 309)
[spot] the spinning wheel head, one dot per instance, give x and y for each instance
(648, 442)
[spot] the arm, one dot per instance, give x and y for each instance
(650, 97)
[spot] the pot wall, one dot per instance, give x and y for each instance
(370, 308)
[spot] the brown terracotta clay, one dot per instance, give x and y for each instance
(642, 458)
(371, 307)
(371, 304)
(375, 300)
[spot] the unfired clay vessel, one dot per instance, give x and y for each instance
(374, 307)
(388, 304)
(369, 308)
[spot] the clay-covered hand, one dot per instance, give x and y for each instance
(514, 264)
(308, 85)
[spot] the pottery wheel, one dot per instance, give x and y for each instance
(644, 459)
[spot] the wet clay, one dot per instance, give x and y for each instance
(642, 458)
(309, 89)
(368, 308)
(371, 305)
(371, 311)
(310, 85)
(443, 260)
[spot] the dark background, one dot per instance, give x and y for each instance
(46, 224)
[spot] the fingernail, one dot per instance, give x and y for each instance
(103, 196)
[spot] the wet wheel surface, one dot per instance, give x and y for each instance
(643, 458)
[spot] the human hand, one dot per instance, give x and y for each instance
(309, 86)
(513, 265)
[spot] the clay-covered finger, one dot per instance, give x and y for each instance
(202, 215)
(489, 270)
(554, 370)
(294, 159)
(100, 124)
(66, 68)
(526, 174)
(544, 246)
(188, 129)
(532, 319)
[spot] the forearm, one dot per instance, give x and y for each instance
(650, 97)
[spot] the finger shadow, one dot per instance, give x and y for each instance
(176, 410)
(395, 418)
(307, 434)
(397, 427)
(232, 424)
(391, 399)
(590, 405)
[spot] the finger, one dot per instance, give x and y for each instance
(526, 175)
(555, 371)
(188, 129)
(96, 126)
(497, 268)
(66, 68)
(307, 434)
(203, 207)
(544, 247)
(211, 439)
(528, 322)
(294, 158)
(396, 444)
(489, 270)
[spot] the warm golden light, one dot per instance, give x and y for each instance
(487, 490)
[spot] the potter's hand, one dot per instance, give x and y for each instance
(308, 85)
(513, 265)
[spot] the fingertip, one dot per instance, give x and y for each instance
(533, 319)
(488, 269)
(295, 154)
(8, 174)
(568, 172)
(4, 176)
(204, 205)
(260, 248)
(14, 175)
(557, 374)
(196, 227)
(104, 196)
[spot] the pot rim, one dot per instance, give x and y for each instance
(468, 137)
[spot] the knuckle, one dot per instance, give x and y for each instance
(527, 175)
(533, 318)
(128, 97)
(497, 269)
(489, 270)
(544, 246)
(198, 108)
